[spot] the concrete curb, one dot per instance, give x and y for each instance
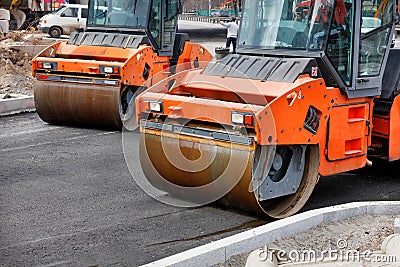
(221, 250)
(16, 104)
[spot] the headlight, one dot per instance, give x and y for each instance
(46, 65)
(242, 118)
(153, 106)
(109, 69)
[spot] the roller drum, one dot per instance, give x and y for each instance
(182, 165)
(227, 161)
(78, 104)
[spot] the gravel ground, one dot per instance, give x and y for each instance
(360, 233)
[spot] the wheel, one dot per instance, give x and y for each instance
(127, 107)
(300, 162)
(55, 32)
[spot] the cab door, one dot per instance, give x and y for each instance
(162, 25)
(374, 28)
(170, 20)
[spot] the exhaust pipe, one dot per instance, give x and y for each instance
(221, 52)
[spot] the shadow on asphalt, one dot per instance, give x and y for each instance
(378, 183)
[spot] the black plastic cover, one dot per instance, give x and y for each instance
(107, 39)
(179, 45)
(263, 68)
(391, 76)
(390, 83)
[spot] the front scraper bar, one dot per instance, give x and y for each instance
(195, 132)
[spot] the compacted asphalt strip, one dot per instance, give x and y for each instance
(66, 196)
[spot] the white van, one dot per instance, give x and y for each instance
(64, 20)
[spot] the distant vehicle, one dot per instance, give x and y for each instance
(369, 24)
(220, 13)
(26, 13)
(214, 13)
(64, 20)
(223, 13)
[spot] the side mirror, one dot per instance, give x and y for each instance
(62, 15)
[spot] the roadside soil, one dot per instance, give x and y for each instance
(361, 233)
(15, 66)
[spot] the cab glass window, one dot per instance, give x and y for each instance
(376, 24)
(170, 21)
(119, 13)
(155, 26)
(286, 24)
(340, 41)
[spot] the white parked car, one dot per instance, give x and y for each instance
(64, 20)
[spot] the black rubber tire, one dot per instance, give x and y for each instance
(286, 206)
(55, 32)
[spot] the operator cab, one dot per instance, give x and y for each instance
(350, 39)
(147, 21)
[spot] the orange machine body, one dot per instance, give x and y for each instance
(300, 99)
(278, 111)
(386, 131)
(85, 61)
(82, 84)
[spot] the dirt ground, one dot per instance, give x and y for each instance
(360, 233)
(15, 66)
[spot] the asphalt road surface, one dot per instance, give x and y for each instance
(67, 199)
(208, 34)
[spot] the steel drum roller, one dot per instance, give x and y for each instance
(78, 104)
(158, 149)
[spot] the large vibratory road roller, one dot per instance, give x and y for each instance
(90, 79)
(313, 90)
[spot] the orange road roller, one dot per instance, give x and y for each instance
(90, 79)
(311, 91)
